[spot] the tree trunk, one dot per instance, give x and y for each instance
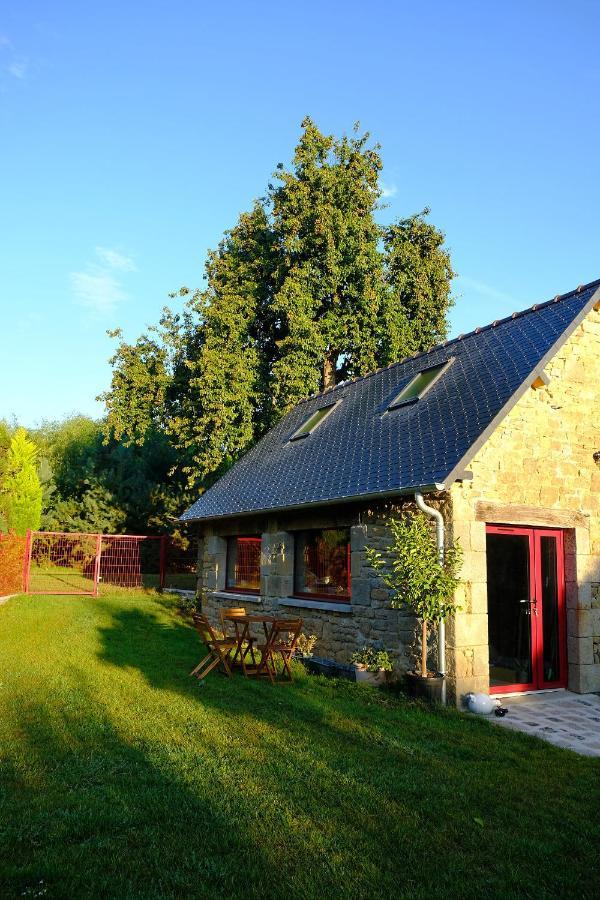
(329, 371)
(424, 649)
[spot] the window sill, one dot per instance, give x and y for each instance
(323, 605)
(231, 595)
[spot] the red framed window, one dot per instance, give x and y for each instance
(243, 564)
(322, 564)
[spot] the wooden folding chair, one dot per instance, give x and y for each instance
(219, 649)
(283, 640)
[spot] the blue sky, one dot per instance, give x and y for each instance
(132, 135)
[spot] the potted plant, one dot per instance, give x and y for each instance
(305, 646)
(419, 582)
(371, 665)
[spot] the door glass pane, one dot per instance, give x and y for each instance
(549, 598)
(509, 612)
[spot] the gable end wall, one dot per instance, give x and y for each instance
(538, 468)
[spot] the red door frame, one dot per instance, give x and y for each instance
(534, 536)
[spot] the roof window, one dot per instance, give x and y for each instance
(418, 386)
(315, 419)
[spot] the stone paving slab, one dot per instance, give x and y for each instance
(560, 717)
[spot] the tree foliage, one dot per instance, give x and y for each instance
(412, 572)
(306, 290)
(96, 486)
(20, 487)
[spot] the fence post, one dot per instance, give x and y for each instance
(97, 564)
(163, 561)
(27, 562)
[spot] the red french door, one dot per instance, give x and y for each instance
(526, 609)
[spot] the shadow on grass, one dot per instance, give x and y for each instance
(164, 648)
(85, 812)
(319, 789)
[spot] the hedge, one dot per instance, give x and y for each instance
(12, 552)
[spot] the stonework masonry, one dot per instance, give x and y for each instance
(340, 628)
(537, 468)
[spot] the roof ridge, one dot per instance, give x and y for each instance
(516, 315)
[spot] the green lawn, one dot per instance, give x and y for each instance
(122, 777)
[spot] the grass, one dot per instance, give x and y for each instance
(62, 579)
(122, 777)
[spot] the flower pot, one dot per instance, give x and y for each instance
(315, 665)
(361, 673)
(430, 688)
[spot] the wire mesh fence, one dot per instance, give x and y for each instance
(83, 564)
(180, 563)
(132, 561)
(61, 563)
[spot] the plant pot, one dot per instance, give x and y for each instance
(315, 665)
(375, 678)
(430, 688)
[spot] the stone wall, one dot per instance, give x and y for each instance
(340, 628)
(538, 469)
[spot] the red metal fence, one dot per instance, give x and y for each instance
(66, 563)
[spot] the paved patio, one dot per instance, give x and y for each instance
(559, 717)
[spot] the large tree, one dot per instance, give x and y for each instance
(329, 296)
(306, 290)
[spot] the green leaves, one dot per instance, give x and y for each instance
(412, 572)
(306, 290)
(20, 488)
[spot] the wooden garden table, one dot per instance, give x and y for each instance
(243, 634)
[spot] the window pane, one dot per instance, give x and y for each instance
(322, 563)
(550, 615)
(312, 421)
(419, 385)
(243, 564)
(509, 610)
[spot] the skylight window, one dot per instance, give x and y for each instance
(313, 421)
(418, 386)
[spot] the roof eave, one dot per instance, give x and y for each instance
(435, 487)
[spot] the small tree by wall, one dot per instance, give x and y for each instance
(417, 581)
(20, 488)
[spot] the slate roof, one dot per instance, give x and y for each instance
(360, 450)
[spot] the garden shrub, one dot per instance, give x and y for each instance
(12, 552)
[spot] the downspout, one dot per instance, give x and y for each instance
(439, 532)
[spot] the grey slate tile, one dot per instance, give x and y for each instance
(362, 449)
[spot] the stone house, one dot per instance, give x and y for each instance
(499, 430)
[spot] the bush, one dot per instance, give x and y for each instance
(12, 553)
(373, 660)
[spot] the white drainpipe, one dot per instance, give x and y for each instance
(439, 530)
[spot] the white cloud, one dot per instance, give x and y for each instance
(18, 68)
(115, 260)
(486, 290)
(388, 190)
(97, 290)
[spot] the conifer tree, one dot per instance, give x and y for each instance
(20, 488)
(306, 290)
